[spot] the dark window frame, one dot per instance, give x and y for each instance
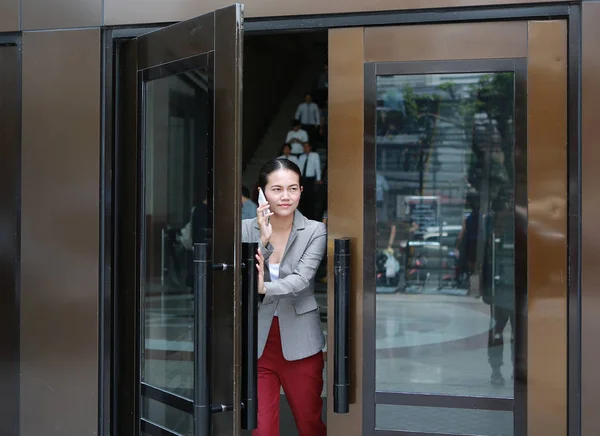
(518, 66)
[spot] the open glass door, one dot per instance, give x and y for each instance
(179, 212)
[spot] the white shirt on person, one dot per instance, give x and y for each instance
(313, 166)
(308, 114)
(291, 157)
(274, 273)
(299, 134)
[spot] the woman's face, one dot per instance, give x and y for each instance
(283, 192)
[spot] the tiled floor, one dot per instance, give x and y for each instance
(425, 343)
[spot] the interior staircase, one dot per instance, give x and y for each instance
(274, 137)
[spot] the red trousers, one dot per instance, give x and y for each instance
(302, 382)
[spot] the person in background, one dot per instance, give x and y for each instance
(310, 167)
(321, 195)
(286, 153)
(290, 337)
(324, 130)
(322, 85)
(248, 206)
(296, 138)
(309, 115)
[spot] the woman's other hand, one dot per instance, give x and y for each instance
(260, 266)
(264, 224)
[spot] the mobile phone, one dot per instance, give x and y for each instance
(262, 200)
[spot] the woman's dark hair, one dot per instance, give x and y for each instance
(274, 165)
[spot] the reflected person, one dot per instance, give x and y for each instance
(498, 284)
(467, 241)
(381, 189)
(290, 337)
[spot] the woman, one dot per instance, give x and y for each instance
(290, 338)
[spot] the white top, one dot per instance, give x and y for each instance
(308, 114)
(274, 272)
(291, 157)
(297, 134)
(313, 166)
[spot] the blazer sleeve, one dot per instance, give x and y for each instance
(305, 271)
(248, 236)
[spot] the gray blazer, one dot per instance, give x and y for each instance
(293, 294)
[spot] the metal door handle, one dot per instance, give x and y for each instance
(249, 337)
(341, 373)
(202, 305)
(203, 408)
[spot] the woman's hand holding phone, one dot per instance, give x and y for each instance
(262, 217)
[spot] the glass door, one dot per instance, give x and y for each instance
(459, 216)
(180, 206)
(450, 285)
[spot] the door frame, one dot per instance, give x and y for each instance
(112, 36)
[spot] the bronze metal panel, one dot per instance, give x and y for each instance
(227, 319)
(60, 228)
(117, 12)
(446, 42)
(10, 174)
(163, 46)
(345, 208)
(57, 14)
(590, 232)
(547, 228)
(9, 15)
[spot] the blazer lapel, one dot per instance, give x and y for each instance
(298, 225)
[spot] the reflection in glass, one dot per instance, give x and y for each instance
(177, 143)
(168, 417)
(445, 239)
(445, 421)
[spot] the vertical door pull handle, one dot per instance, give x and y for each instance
(341, 375)
(249, 337)
(202, 307)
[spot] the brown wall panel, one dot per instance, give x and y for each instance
(141, 11)
(446, 42)
(56, 14)
(60, 233)
(345, 207)
(9, 15)
(547, 229)
(590, 238)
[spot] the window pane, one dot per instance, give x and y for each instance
(177, 153)
(445, 218)
(167, 417)
(444, 420)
